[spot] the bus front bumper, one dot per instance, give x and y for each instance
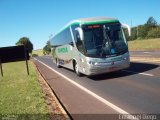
(107, 67)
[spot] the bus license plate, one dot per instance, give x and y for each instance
(112, 68)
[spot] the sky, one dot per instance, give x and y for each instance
(38, 19)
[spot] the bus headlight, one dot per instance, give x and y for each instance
(125, 58)
(92, 63)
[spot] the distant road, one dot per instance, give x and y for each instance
(134, 90)
(155, 54)
(145, 56)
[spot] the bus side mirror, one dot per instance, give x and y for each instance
(80, 31)
(128, 28)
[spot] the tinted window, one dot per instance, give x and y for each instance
(77, 40)
(74, 31)
(62, 38)
(67, 36)
(104, 39)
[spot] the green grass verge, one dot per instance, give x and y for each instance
(20, 94)
(148, 44)
(38, 52)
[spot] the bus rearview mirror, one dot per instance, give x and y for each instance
(80, 31)
(128, 28)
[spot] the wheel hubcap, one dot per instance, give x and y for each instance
(76, 67)
(57, 63)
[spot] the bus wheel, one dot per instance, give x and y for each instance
(57, 63)
(76, 69)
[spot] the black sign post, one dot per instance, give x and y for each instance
(26, 57)
(1, 68)
(13, 54)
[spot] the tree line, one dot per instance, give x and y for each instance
(26, 42)
(47, 48)
(151, 29)
(29, 46)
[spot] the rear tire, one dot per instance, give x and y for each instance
(57, 63)
(76, 69)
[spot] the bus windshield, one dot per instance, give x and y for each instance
(104, 40)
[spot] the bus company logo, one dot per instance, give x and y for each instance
(62, 50)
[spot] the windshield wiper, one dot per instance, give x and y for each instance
(105, 40)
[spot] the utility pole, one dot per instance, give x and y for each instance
(137, 32)
(131, 29)
(1, 68)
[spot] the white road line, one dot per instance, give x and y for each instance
(145, 61)
(147, 52)
(106, 102)
(138, 73)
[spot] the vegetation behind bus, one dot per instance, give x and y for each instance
(145, 44)
(47, 48)
(151, 29)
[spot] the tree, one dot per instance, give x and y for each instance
(154, 33)
(151, 29)
(134, 33)
(142, 31)
(151, 21)
(47, 48)
(26, 42)
(49, 44)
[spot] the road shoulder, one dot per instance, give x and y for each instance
(56, 110)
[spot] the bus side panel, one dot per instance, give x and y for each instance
(65, 55)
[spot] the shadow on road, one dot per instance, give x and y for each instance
(134, 67)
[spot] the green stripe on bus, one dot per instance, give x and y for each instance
(88, 23)
(75, 23)
(99, 22)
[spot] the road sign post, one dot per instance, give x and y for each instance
(1, 68)
(26, 60)
(13, 54)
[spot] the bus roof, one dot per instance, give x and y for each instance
(89, 21)
(96, 20)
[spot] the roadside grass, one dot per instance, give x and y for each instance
(148, 44)
(38, 52)
(20, 94)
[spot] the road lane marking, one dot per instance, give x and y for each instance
(147, 52)
(147, 59)
(106, 102)
(138, 73)
(150, 60)
(142, 61)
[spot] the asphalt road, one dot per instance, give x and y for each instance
(154, 54)
(132, 91)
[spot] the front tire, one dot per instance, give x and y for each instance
(76, 69)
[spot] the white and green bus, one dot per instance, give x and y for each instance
(91, 46)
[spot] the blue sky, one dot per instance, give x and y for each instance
(38, 19)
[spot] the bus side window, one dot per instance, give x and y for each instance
(77, 40)
(74, 31)
(79, 43)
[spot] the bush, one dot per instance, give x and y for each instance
(26, 42)
(154, 33)
(34, 55)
